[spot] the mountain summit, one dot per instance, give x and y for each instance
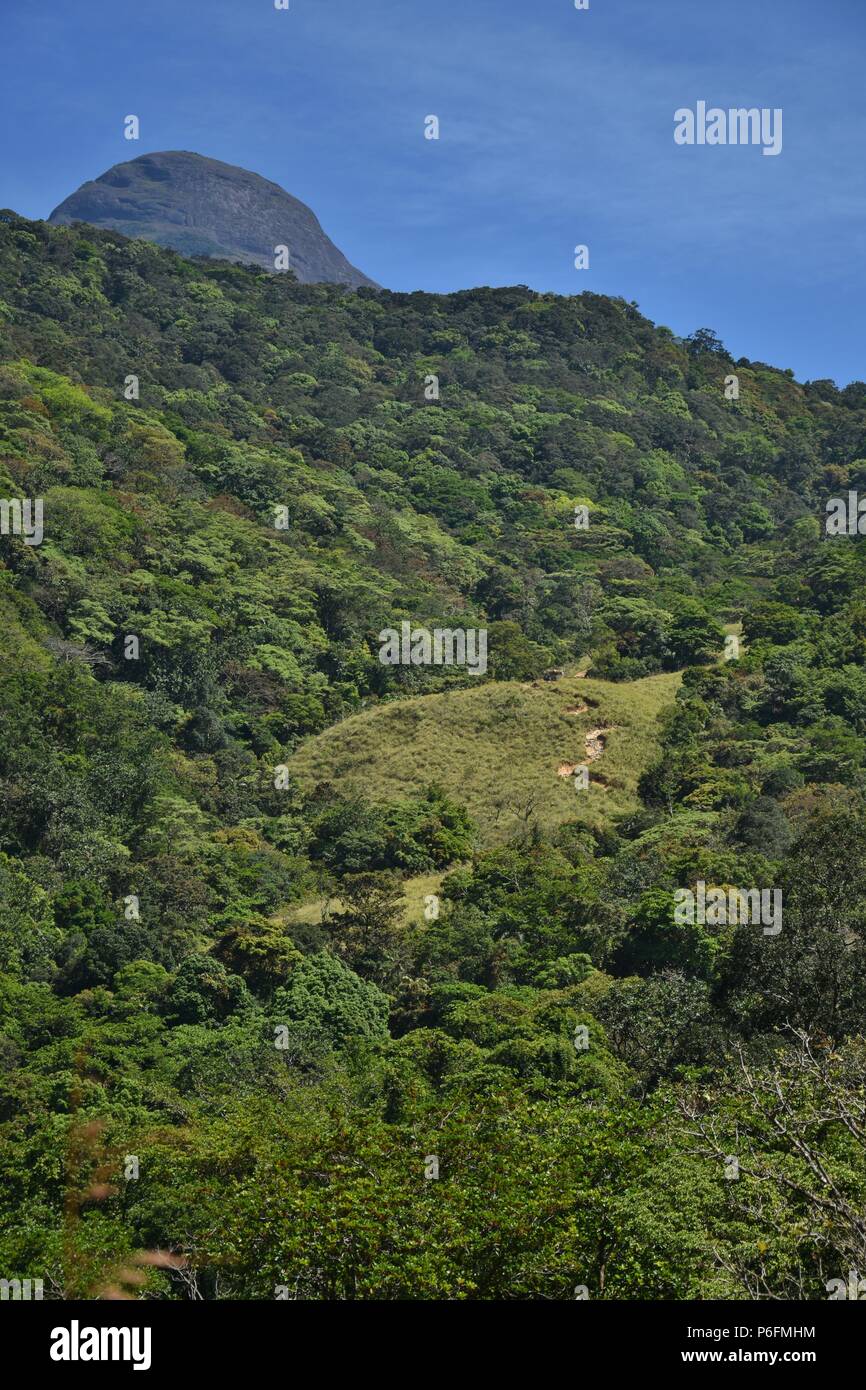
(200, 206)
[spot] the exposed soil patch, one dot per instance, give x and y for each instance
(595, 742)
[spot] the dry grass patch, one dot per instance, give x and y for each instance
(498, 748)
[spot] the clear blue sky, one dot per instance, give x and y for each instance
(556, 129)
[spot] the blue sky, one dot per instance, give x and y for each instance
(556, 128)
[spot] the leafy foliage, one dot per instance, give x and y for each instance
(213, 794)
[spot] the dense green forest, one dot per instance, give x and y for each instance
(235, 1060)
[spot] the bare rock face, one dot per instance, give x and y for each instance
(200, 206)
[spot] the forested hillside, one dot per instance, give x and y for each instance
(547, 1084)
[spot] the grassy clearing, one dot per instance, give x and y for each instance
(499, 749)
(415, 890)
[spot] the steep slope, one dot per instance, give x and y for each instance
(200, 206)
(506, 750)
